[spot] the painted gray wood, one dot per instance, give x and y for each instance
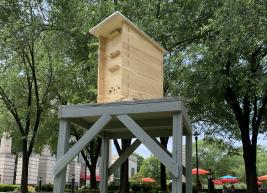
(83, 124)
(187, 121)
(177, 151)
(79, 111)
(156, 120)
(162, 147)
(63, 145)
(170, 164)
(86, 138)
(126, 134)
(104, 165)
(80, 123)
(188, 164)
(148, 122)
(123, 157)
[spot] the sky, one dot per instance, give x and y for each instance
(143, 151)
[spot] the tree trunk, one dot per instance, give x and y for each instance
(163, 186)
(163, 177)
(249, 154)
(25, 164)
(124, 178)
(93, 184)
(124, 169)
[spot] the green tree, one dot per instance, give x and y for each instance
(222, 71)
(219, 161)
(26, 72)
(261, 163)
(224, 160)
(140, 160)
(124, 168)
(151, 168)
(44, 63)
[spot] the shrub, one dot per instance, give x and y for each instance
(8, 187)
(113, 186)
(137, 178)
(95, 191)
(84, 190)
(47, 188)
(146, 187)
(153, 191)
(31, 188)
(136, 187)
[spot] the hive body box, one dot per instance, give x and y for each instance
(130, 65)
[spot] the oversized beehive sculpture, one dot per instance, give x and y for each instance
(130, 63)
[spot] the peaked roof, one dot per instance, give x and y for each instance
(113, 22)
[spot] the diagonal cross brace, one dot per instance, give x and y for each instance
(124, 156)
(169, 163)
(77, 148)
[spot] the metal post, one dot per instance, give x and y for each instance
(196, 134)
(39, 184)
(85, 173)
(210, 183)
(72, 183)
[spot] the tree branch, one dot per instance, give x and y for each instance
(158, 8)
(85, 159)
(117, 146)
(12, 109)
(262, 111)
(232, 101)
(246, 111)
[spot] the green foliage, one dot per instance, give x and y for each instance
(224, 161)
(137, 178)
(216, 160)
(87, 191)
(151, 168)
(113, 187)
(45, 188)
(140, 160)
(82, 191)
(261, 160)
(214, 49)
(136, 186)
(224, 36)
(95, 191)
(8, 187)
(146, 186)
(136, 181)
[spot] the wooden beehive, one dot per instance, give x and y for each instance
(130, 63)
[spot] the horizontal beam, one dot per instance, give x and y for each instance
(79, 111)
(81, 143)
(80, 123)
(124, 156)
(156, 122)
(84, 124)
(164, 158)
(127, 134)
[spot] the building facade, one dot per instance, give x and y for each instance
(41, 167)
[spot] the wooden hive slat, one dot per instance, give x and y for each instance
(130, 63)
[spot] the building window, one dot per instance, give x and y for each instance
(132, 171)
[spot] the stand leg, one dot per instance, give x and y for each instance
(188, 164)
(62, 147)
(104, 165)
(177, 151)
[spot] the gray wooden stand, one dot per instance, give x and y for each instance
(144, 120)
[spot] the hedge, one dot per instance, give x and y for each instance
(8, 187)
